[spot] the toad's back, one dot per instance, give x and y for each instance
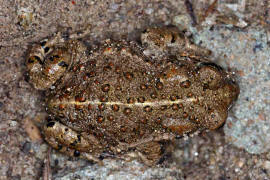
(119, 96)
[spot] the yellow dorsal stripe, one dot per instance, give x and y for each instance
(155, 103)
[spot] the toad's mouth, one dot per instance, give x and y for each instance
(119, 103)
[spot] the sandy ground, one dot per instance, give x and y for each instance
(235, 30)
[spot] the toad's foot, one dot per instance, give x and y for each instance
(149, 153)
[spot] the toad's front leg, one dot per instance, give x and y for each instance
(71, 142)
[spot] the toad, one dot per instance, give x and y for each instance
(124, 98)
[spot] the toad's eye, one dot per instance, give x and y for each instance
(44, 46)
(34, 59)
(62, 64)
(46, 49)
(54, 57)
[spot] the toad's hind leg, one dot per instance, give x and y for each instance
(48, 60)
(149, 153)
(72, 143)
(74, 153)
(170, 39)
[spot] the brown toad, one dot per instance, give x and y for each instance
(123, 99)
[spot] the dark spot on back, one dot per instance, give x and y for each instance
(185, 84)
(105, 87)
(159, 85)
(127, 111)
(100, 119)
(110, 118)
(143, 87)
(128, 75)
(115, 107)
(147, 109)
(173, 97)
(163, 107)
(153, 95)
(103, 99)
(175, 107)
(141, 99)
(101, 107)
